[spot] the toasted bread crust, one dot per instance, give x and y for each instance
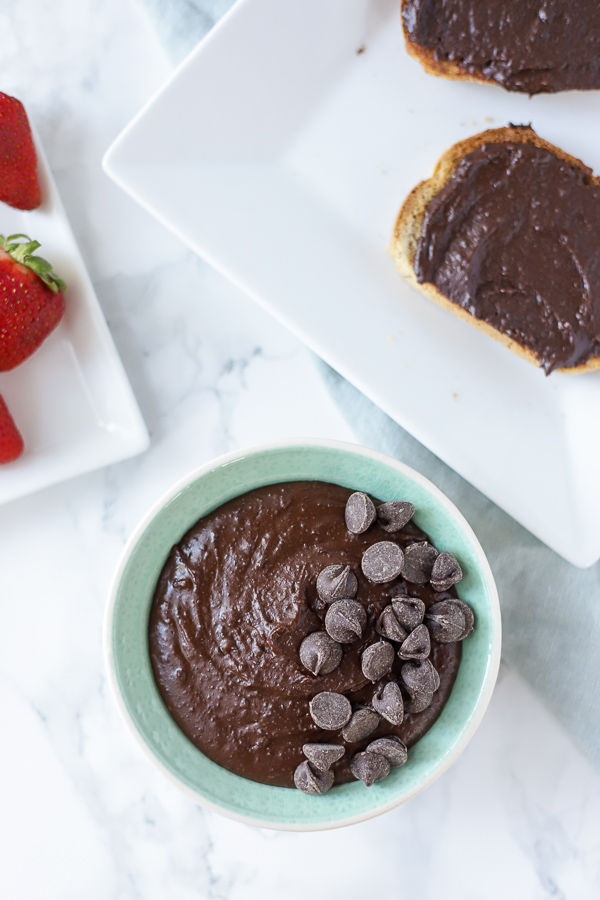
(409, 223)
(442, 68)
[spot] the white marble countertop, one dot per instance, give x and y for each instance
(83, 813)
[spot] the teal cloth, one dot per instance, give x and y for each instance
(180, 24)
(550, 610)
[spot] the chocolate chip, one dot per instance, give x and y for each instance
(309, 781)
(394, 516)
(382, 562)
(450, 620)
(345, 621)
(364, 721)
(420, 677)
(418, 702)
(391, 748)
(388, 702)
(469, 619)
(319, 653)
(389, 627)
(323, 756)
(417, 645)
(335, 583)
(369, 767)
(360, 512)
(446, 572)
(330, 711)
(418, 562)
(377, 660)
(409, 611)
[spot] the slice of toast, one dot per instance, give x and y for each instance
(520, 45)
(409, 223)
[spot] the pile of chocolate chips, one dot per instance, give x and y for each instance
(406, 629)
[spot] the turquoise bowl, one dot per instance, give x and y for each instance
(128, 660)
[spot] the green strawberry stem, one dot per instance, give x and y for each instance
(22, 253)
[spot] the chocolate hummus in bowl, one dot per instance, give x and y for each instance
(303, 635)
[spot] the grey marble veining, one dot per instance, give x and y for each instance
(83, 813)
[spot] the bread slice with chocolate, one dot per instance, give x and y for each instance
(524, 45)
(506, 235)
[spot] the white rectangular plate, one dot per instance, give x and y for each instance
(71, 399)
(281, 154)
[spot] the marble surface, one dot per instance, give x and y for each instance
(83, 813)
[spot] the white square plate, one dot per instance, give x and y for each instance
(71, 399)
(281, 151)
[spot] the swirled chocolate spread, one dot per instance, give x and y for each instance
(512, 238)
(533, 46)
(236, 599)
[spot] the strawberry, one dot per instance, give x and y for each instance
(11, 442)
(31, 300)
(19, 185)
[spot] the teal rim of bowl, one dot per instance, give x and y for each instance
(126, 626)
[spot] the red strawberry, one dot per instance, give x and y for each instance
(31, 300)
(19, 185)
(11, 442)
